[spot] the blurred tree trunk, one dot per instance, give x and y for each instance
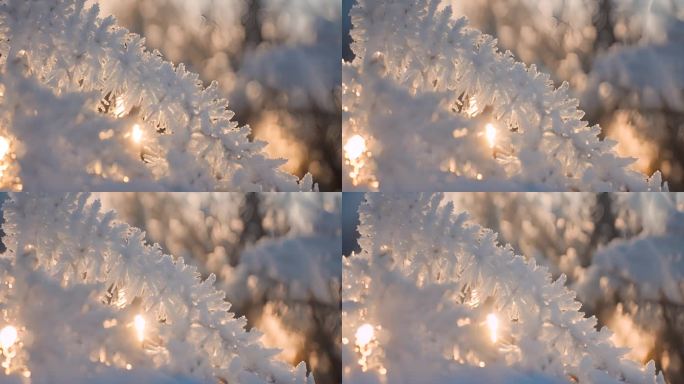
(252, 24)
(604, 226)
(323, 341)
(669, 346)
(251, 217)
(605, 33)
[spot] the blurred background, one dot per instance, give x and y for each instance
(623, 59)
(276, 61)
(276, 256)
(622, 253)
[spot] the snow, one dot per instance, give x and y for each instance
(620, 252)
(653, 73)
(74, 282)
(422, 89)
(425, 265)
(647, 268)
(109, 80)
(306, 265)
(618, 56)
(275, 255)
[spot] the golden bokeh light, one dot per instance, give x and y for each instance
(355, 147)
(136, 134)
(8, 336)
(493, 325)
(364, 335)
(490, 134)
(139, 323)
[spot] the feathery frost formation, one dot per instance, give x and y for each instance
(475, 309)
(91, 302)
(429, 101)
(83, 105)
(275, 255)
(622, 253)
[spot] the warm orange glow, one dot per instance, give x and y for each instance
(357, 156)
(8, 337)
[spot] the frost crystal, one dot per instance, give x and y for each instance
(437, 104)
(431, 297)
(91, 302)
(83, 105)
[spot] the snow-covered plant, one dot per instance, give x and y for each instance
(289, 287)
(294, 49)
(83, 299)
(619, 252)
(277, 61)
(635, 285)
(563, 231)
(431, 297)
(205, 229)
(73, 84)
(559, 36)
(276, 255)
(628, 45)
(429, 101)
(557, 230)
(620, 57)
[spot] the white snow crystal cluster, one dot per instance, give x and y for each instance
(557, 230)
(277, 61)
(620, 57)
(622, 254)
(83, 299)
(431, 297)
(276, 255)
(429, 101)
(83, 105)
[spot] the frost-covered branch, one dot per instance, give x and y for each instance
(182, 132)
(276, 255)
(430, 90)
(47, 147)
(187, 329)
(469, 302)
